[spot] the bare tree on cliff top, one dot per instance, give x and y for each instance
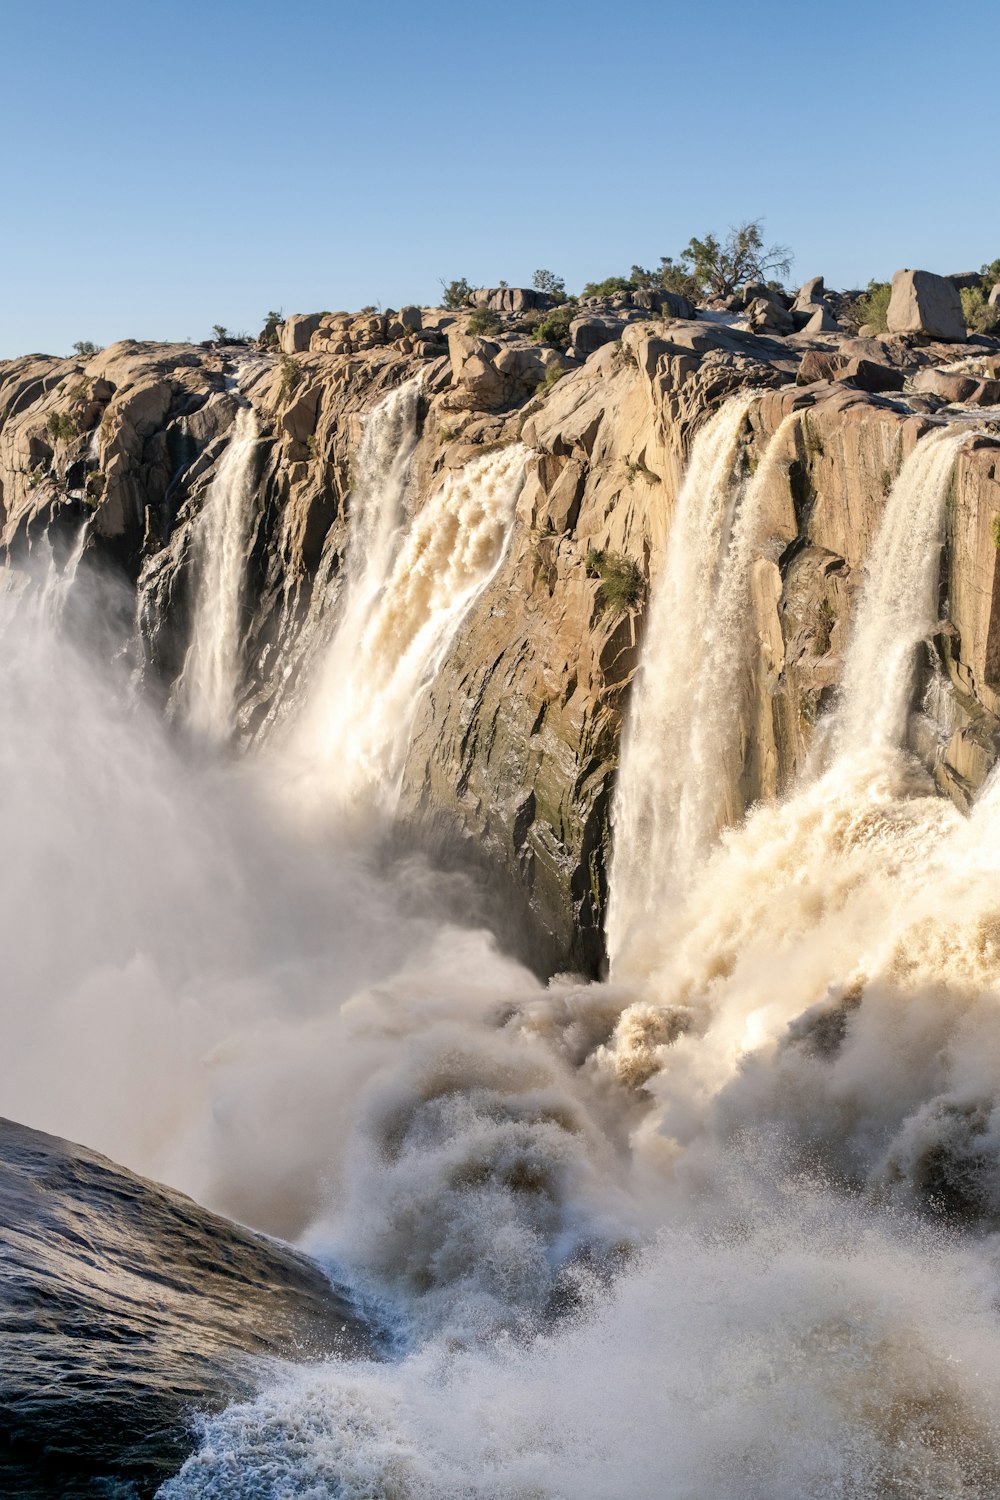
(721, 267)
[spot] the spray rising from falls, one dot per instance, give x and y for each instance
(410, 583)
(607, 1225)
(211, 670)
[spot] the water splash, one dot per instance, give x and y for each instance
(608, 1223)
(409, 587)
(209, 681)
(898, 607)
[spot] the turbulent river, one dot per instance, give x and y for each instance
(721, 1227)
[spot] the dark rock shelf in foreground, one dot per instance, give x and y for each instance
(124, 1309)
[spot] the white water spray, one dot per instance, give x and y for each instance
(211, 669)
(409, 587)
(611, 1251)
(898, 607)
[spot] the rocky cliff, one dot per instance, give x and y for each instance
(515, 746)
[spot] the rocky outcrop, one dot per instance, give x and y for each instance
(515, 747)
(926, 304)
(125, 1309)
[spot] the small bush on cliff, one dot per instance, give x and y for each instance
(622, 585)
(61, 426)
(456, 293)
(483, 320)
(290, 376)
(548, 380)
(980, 317)
(872, 308)
(995, 532)
(554, 327)
(84, 348)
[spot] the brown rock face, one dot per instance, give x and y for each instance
(516, 742)
(926, 304)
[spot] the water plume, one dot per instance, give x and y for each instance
(702, 1230)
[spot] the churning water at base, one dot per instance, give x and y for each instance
(697, 1236)
(211, 670)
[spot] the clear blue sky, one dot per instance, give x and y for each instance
(171, 166)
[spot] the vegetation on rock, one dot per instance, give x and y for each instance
(549, 283)
(979, 316)
(707, 267)
(553, 328)
(456, 293)
(871, 309)
(61, 426)
(483, 320)
(622, 584)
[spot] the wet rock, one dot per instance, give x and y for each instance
(125, 1308)
(946, 384)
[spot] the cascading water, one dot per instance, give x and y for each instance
(210, 678)
(608, 1227)
(898, 608)
(677, 769)
(409, 585)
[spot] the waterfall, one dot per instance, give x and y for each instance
(46, 593)
(59, 581)
(211, 669)
(683, 718)
(409, 586)
(898, 606)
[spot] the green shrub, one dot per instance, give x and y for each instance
(456, 293)
(483, 320)
(220, 333)
(979, 316)
(548, 380)
(872, 308)
(61, 426)
(995, 532)
(84, 348)
(553, 328)
(291, 374)
(622, 585)
(609, 286)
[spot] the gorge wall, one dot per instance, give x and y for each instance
(513, 749)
